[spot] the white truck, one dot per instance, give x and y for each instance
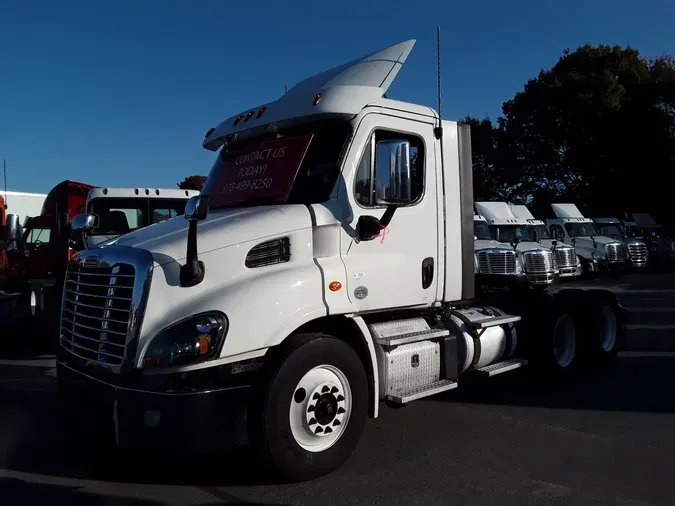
(596, 253)
(538, 262)
(123, 210)
(637, 249)
(569, 265)
(495, 263)
(327, 265)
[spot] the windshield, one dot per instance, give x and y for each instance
(581, 229)
(509, 233)
(541, 231)
(481, 230)
(118, 216)
(298, 165)
(610, 229)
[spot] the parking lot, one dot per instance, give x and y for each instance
(606, 439)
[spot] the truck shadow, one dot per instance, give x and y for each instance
(16, 491)
(640, 382)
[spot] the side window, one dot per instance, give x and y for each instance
(38, 237)
(159, 215)
(364, 184)
(557, 232)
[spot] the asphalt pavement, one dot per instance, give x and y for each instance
(604, 439)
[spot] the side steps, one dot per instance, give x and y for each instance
(419, 392)
(500, 367)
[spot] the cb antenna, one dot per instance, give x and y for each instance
(4, 173)
(438, 131)
(285, 89)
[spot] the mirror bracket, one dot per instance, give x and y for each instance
(192, 272)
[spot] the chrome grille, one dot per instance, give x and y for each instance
(637, 252)
(538, 262)
(616, 252)
(565, 258)
(497, 262)
(97, 311)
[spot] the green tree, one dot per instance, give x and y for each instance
(192, 183)
(597, 128)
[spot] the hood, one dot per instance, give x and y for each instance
(490, 244)
(167, 241)
(587, 242)
(529, 246)
(560, 245)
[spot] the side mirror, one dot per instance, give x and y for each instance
(14, 229)
(392, 173)
(84, 223)
(197, 208)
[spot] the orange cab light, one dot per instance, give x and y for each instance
(318, 98)
(334, 286)
(204, 342)
(236, 121)
(248, 116)
(211, 130)
(261, 112)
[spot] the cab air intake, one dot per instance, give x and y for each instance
(273, 252)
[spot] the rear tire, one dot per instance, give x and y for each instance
(313, 408)
(603, 328)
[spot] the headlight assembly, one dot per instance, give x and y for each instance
(190, 341)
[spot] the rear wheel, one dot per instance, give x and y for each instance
(313, 409)
(603, 329)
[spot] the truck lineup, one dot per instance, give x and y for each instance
(334, 260)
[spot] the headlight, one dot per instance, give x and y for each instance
(190, 341)
(519, 263)
(475, 264)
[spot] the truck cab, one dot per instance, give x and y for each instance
(569, 265)
(123, 210)
(614, 229)
(596, 252)
(538, 262)
(328, 265)
(660, 244)
(495, 261)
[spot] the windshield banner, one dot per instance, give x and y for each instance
(264, 170)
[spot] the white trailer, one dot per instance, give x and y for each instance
(334, 270)
(24, 205)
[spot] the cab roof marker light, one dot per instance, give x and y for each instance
(211, 130)
(249, 115)
(238, 119)
(261, 112)
(318, 98)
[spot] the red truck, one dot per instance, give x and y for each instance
(33, 279)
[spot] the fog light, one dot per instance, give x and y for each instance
(151, 418)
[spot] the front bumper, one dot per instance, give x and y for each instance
(184, 413)
(541, 278)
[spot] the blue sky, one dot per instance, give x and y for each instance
(121, 93)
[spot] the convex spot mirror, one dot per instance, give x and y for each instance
(197, 208)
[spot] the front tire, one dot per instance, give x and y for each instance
(314, 408)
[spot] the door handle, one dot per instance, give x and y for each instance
(427, 272)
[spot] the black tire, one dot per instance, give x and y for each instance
(271, 430)
(553, 320)
(600, 311)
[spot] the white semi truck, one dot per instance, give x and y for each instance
(538, 262)
(495, 262)
(569, 265)
(327, 265)
(596, 252)
(636, 249)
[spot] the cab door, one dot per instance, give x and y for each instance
(399, 267)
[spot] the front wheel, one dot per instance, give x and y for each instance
(314, 408)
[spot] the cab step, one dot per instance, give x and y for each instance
(493, 321)
(406, 331)
(500, 367)
(423, 391)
